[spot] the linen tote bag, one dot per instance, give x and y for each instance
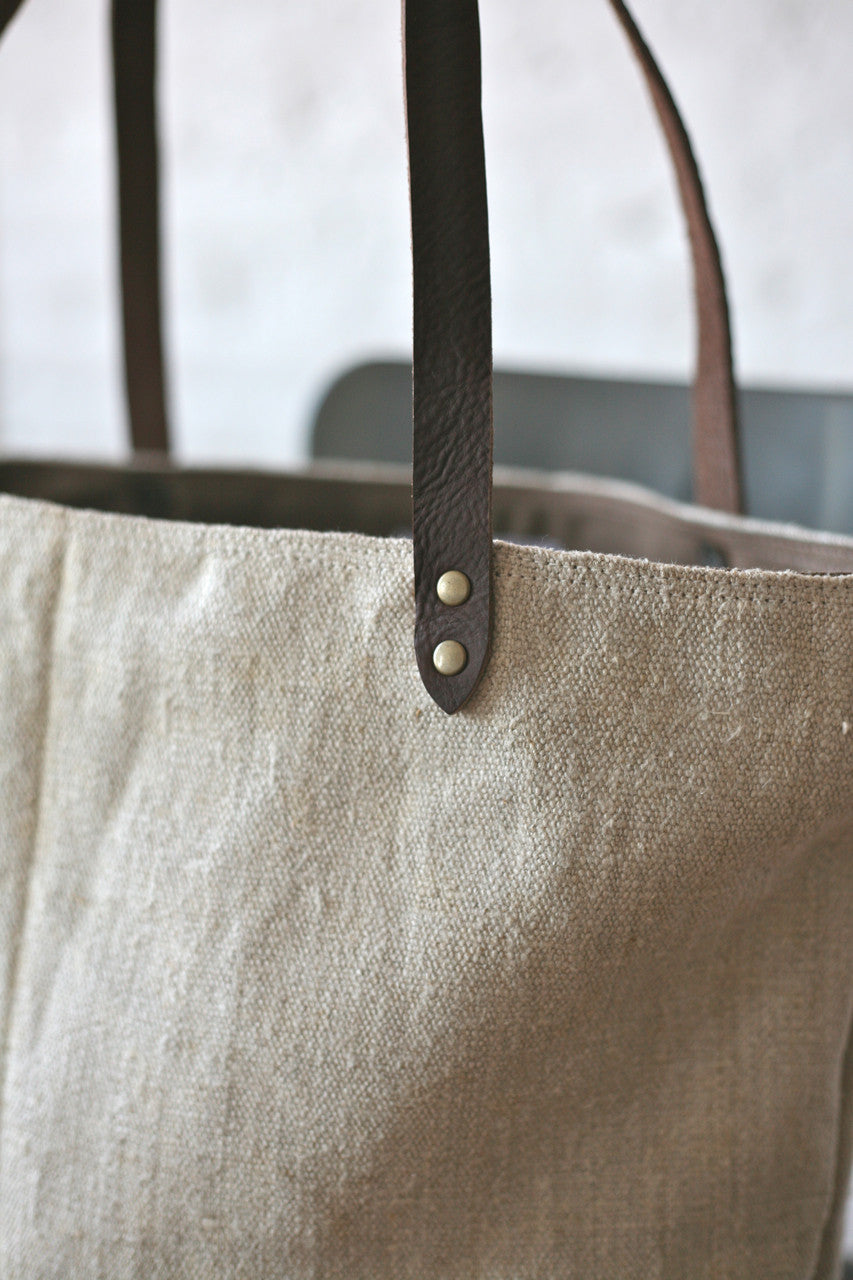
(303, 976)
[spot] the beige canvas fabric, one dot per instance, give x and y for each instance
(303, 979)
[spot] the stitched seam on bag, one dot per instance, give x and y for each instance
(676, 587)
(241, 544)
(17, 947)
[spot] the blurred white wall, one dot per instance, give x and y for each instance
(286, 209)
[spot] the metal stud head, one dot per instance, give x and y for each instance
(449, 658)
(453, 587)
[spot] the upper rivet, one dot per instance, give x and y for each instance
(453, 587)
(449, 658)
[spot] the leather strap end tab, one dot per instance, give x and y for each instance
(454, 540)
(452, 366)
(438, 627)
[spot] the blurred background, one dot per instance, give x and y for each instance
(285, 210)
(285, 206)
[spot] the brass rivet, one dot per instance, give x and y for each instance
(453, 587)
(449, 658)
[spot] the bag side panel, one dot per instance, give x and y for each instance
(317, 982)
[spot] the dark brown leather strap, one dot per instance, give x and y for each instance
(452, 376)
(134, 63)
(452, 383)
(134, 25)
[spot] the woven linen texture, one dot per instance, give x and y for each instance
(303, 979)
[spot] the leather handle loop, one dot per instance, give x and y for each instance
(452, 368)
(716, 468)
(134, 81)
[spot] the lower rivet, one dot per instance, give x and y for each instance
(449, 658)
